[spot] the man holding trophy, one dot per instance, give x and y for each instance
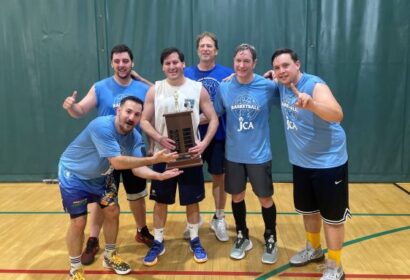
(171, 117)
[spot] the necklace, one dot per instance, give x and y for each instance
(176, 96)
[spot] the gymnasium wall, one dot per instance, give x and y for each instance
(49, 48)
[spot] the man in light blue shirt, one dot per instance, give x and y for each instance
(246, 99)
(86, 176)
(317, 150)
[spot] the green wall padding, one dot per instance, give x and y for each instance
(50, 48)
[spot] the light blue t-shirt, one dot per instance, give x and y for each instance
(86, 157)
(247, 108)
(210, 80)
(312, 142)
(109, 94)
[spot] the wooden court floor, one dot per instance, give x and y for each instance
(377, 243)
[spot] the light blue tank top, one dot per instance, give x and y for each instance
(312, 142)
(109, 94)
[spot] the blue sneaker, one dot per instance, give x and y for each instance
(157, 249)
(200, 256)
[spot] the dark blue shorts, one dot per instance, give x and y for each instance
(191, 187)
(214, 156)
(77, 193)
(135, 187)
(322, 190)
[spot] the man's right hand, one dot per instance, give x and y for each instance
(167, 143)
(70, 101)
(270, 74)
(165, 156)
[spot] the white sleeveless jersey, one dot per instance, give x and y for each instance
(185, 97)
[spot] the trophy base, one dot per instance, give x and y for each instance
(184, 163)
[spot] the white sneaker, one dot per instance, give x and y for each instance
(270, 251)
(240, 247)
(307, 255)
(219, 226)
(332, 271)
(186, 234)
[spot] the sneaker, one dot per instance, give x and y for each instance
(91, 249)
(117, 264)
(240, 246)
(157, 249)
(270, 251)
(77, 275)
(307, 255)
(200, 255)
(219, 227)
(332, 271)
(144, 236)
(187, 236)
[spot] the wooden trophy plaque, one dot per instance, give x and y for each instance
(179, 127)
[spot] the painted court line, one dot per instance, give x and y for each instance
(272, 273)
(346, 244)
(139, 272)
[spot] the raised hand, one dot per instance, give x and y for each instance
(70, 101)
(304, 100)
(165, 156)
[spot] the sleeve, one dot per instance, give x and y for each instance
(103, 137)
(138, 149)
(273, 90)
(218, 102)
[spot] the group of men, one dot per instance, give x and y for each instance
(232, 121)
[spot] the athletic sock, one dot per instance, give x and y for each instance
(75, 264)
(335, 255)
(314, 239)
(239, 213)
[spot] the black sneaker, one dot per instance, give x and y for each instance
(91, 249)
(144, 236)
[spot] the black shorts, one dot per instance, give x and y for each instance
(322, 190)
(191, 187)
(260, 177)
(214, 156)
(134, 186)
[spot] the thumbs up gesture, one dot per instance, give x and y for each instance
(70, 101)
(304, 100)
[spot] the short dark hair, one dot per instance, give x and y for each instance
(166, 52)
(292, 54)
(133, 99)
(120, 49)
(243, 47)
(207, 34)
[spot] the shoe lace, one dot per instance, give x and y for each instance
(155, 249)
(197, 247)
(270, 244)
(329, 272)
(239, 240)
(116, 260)
(78, 275)
(220, 224)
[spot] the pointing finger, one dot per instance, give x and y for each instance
(294, 89)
